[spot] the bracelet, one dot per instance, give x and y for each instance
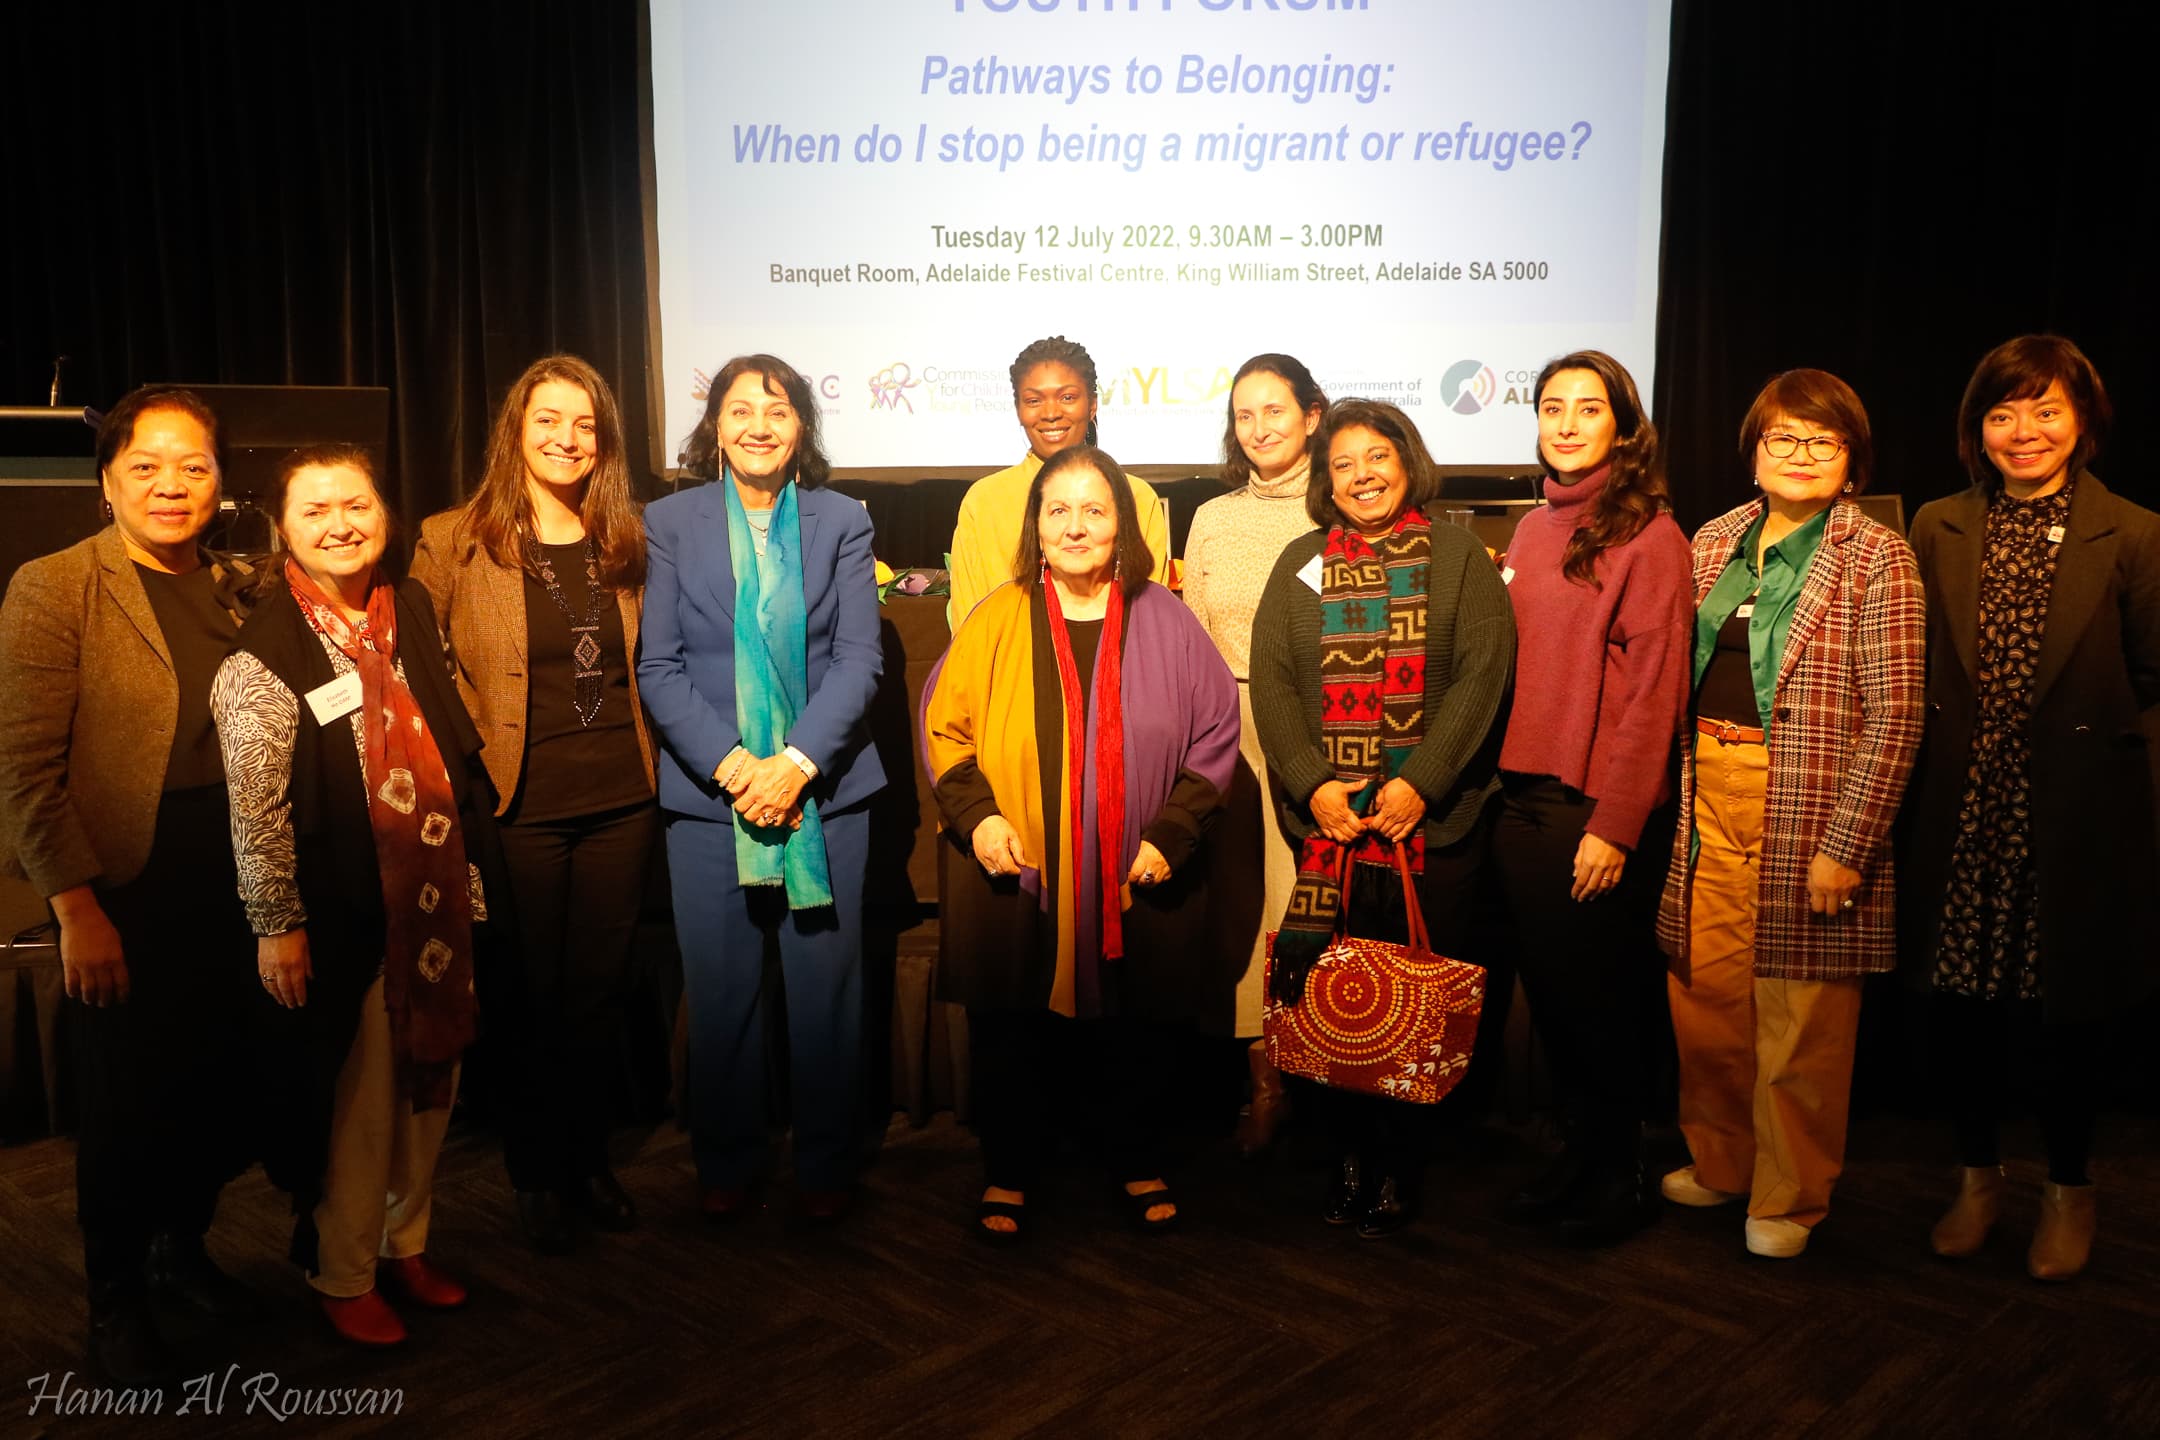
(734, 773)
(801, 762)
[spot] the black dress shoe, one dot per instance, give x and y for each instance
(601, 1199)
(179, 1269)
(124, 1345)
(541, 1216)
(1391, 1210)
(1614, 1204)
(1552, 1192)
(1347, 1198)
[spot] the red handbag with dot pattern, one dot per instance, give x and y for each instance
(1379, 1017)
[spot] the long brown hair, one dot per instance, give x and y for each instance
(498, 517)
(1634, 492)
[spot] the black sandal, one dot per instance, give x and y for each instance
(996, 1210)
(1137, 1206)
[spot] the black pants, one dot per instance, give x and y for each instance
(163, 1077)
(558, 1015)
(1978, 1044)
(1590, 968)
(1033, 1067)
(1392, 1137)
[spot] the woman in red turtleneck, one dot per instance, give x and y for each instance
(1603, 599)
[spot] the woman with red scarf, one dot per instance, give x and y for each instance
(1378, 604)
(1080, 733)
(359, 807)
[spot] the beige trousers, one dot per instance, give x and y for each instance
(1765, 1065)
(1278, 871)
(380, 1184)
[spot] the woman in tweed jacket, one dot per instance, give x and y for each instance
(1808, 682)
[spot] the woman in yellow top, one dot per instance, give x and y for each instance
(1053, 384)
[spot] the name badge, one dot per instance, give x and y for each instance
(1310, 573)
(337, 699)
(2055, 534)
(1745, 610)
(1507, 575)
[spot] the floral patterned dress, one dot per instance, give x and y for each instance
(1990, 944)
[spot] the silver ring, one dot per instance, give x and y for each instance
(1845, 904)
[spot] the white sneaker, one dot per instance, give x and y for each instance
(1776, 1239)
(1682, 1188)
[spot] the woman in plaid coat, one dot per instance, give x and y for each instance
(1808, 676)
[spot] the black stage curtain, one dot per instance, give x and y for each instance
(1886, 191)
(422, 196)
(428, 197)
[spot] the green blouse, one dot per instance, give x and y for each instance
(1775, 589)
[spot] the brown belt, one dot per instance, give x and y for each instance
(1729, 734)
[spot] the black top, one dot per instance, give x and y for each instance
(572, 768)
(200, 634)
(1086, 637)
(1727, 691)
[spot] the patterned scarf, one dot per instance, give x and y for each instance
(1372, 715)
(772, 684)
(1109, 771)
(427, 902)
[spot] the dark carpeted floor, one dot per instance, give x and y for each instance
(1256, 1319)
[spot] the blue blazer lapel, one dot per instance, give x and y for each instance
(809, 505)
(709, 542)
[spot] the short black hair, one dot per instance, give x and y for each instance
(1384, 419)
(2022, 369)
(118, 427)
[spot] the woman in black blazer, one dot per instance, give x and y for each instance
(2031, 829)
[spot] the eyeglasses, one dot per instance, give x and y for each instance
(1822, 449)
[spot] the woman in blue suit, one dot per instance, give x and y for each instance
(758, 659)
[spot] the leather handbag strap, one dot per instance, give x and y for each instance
(1414, 913)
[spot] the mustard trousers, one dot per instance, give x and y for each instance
(1765, 1065)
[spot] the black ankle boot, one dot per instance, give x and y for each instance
(603, 1202)
(1554, 1190)
(124, 1345)
(1615, 1200)
(1347, 1198)
(178, 1268)
(545, 1223)
(1393, 1208)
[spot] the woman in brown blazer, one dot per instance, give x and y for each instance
(112, 803)
(537, 581)
(2032, 853)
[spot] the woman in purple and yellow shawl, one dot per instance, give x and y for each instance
(1080, 733)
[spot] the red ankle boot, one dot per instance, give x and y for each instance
(364, 1319)
(421, 1282)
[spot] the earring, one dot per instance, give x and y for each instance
(1848, 487)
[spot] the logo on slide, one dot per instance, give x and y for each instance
(889, 387)
(1468, 387)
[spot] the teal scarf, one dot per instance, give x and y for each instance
(771, 687)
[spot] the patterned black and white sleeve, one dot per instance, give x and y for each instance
(258, 720)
